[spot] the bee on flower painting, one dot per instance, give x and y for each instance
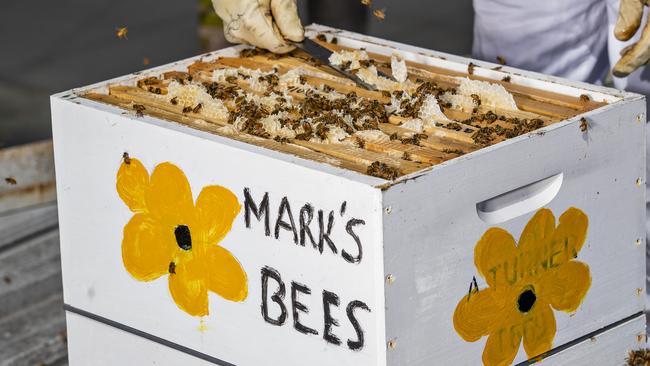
(526, 281)
(171, 235)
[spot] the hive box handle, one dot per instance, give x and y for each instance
(519, 201)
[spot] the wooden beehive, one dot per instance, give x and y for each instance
(355, 229)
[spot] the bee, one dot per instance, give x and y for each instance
(139, 108)
(11, 180)
(146, 61)
(406, 156)
(7, 280)
(174, 101)
(501, 60)
(379, 14)
(584, 124)
(172, 268)
(506, 79)
(476, 99)
(122, 32)
(187, 109)
(584, 98)
(197, 108)
(126, 158)
(470, 68)
(367, 3)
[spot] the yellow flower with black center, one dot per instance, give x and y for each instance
(171, 235)
(525, 282)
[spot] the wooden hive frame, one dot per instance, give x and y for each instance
(400, 155)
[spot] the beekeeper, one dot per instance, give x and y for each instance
(579, 40)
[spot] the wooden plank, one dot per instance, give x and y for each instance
(362, 156)
(26, 176)
(213, 128)
(29, 272)
(35, 335)
(17, 225)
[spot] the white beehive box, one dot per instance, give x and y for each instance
(401, 258)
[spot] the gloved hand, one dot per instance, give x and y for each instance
(262, 23)
(629, 19)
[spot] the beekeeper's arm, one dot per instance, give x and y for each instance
(628, 23)
(263, 23)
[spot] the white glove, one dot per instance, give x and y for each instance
(629, 19)
(262, 23)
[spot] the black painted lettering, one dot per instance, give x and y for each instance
(258, 211)
(330, 298)
(306, 215)
(280, 223)
(356, 345)
(298, 307)
(278, 296)
(324, 236)
(349, 228)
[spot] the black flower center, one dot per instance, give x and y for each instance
(183, 237)
(526, 300)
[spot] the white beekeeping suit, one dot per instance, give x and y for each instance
(574, 39)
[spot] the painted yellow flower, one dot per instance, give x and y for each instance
(525, 282)
(170, 234)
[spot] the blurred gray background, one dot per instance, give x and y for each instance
(51, 46)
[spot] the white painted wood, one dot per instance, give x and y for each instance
(97, 344)
(610, 347)
(102, 345)
(425, 240)
(88, 148)
(430, 235)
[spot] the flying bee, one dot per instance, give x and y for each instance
(146, 61)
(501, 60)
(367, 3)
(11, 180)
(122, 32)
(379, 14)
(584, 124)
